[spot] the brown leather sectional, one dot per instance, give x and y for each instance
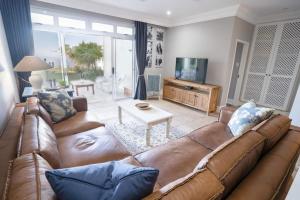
(208, 163)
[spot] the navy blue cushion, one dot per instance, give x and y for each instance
(110, 180)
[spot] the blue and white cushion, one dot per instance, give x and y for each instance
(58, 103)
(248, 116)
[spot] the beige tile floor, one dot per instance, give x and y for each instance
(187, 119)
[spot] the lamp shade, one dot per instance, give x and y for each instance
(31, 63)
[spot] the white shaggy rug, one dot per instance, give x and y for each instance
(132, 134)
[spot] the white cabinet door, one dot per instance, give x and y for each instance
(260, 60)
(284, 68)
(274, 64)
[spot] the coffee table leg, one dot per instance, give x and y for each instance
(168, 124)
(148, 135)
(120, 114)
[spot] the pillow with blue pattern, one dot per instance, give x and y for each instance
(247, 116)
(58, 104)
(111, 180)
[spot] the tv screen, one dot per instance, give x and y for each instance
(191, 69)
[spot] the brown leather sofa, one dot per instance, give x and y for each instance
(83, 120)
(208, 163)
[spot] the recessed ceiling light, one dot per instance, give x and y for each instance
(168, 12)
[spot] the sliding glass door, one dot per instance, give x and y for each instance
(47, 46)
(123, 68)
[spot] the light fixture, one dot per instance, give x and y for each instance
(168, 12)
(32, 64)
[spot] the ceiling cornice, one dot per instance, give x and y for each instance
(210, 15)
(236, 10)
(110, 10)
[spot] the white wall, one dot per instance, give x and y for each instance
(213, 40)
(8, 88)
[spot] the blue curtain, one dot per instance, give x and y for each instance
(18, 28)
(141, 49)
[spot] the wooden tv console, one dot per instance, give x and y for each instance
(203, 97)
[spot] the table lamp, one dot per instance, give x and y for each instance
(32, 64)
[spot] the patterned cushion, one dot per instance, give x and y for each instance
(247, 116)
(58, 103)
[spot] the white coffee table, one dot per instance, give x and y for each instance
(149, 117)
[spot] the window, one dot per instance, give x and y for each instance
(71, 23)
(124, 30)
(103, 27)
(42, 19)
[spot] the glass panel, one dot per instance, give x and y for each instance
(103, 27)
(71, 23)
(42, 19)
(124, 30)
(47, 47)
(123, 83)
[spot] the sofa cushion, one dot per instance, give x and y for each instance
(34, 107)
(212, 135)
(9, 143)
(266, 178)
(110, 180)
(26, 179)
(58, 104)
(247, 116)
(82, 121)
(174, 160)
(38, 137)
(201, 184)
(273, 129)
(233, 160)
(93, 146)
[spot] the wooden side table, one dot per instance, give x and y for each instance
(83, 83)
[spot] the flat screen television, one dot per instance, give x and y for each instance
(191, 69)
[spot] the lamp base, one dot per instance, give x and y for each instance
(36, 81)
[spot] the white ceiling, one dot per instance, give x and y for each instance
(189, 11)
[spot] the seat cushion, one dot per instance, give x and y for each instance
(27, 179)
(273, 129)
(110, 180)
(38, 137)
(234, 159)
(93, 146)
(212, 135)
(82, 121)
(174, 160)
(201, 184)
(266, 178)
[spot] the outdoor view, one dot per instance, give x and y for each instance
(86, 64)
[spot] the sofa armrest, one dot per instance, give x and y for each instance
(80, 104)
(226, 113)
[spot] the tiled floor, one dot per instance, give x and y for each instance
(188, 119)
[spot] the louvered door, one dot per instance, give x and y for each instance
(274, 65)
(260, 60)
(285, 66)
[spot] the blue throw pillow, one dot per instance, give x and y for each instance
(247, 116)
(111, 180)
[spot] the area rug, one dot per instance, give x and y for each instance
(132, 134)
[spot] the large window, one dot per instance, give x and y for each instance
(85, 49)
(102, 27)
(71, 23)
(38, 18)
